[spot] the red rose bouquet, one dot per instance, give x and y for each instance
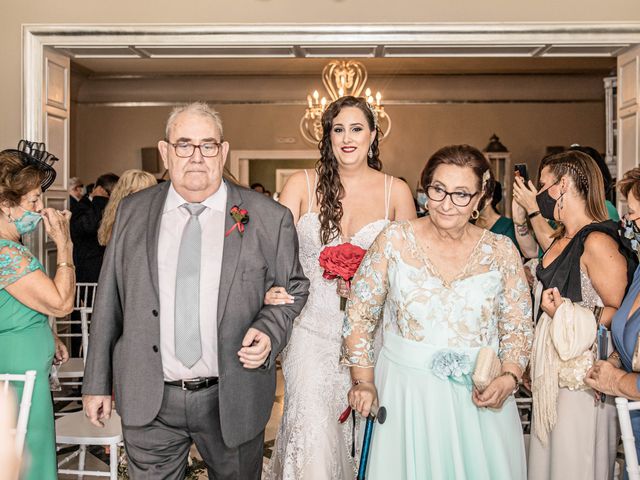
(341, 261)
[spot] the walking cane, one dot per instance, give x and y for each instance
(380, 415)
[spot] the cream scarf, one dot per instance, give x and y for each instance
(561, 356)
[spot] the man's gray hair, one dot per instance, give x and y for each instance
(74, 182)
(199, 108)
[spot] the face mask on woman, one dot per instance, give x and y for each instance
(546, 203)
(28, 222)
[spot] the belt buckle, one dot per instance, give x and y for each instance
(196, 380)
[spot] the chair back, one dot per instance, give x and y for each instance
(85, 295)
(628, 441)
(29, 379)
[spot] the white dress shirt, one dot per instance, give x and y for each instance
(174, 219)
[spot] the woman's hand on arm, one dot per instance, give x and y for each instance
(278, 296)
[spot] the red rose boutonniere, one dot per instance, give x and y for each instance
(241, 216)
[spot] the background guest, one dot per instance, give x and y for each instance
(131, 181)
(76, 192)
(571, 436)
(28, 295)
(619, 376)
(85, 222)
(441, 288)
(258, 187)
(491, 219)
(535, 241)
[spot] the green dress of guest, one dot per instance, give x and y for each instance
(26, 343)
(505, 226)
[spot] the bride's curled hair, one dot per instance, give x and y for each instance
(330, 191)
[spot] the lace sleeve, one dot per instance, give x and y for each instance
(515, 325)
(15, 262)
(365, 305)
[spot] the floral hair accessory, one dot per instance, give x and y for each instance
(241, 217)
(454, 366)
(373, 113)
(486, 176)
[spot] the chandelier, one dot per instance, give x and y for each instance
(341, 78)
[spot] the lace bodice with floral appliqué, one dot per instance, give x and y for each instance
(323, 301)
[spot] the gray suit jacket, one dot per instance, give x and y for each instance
(124, 350)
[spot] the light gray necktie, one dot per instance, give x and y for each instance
(187, 301)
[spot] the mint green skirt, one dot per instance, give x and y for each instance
(433, 430)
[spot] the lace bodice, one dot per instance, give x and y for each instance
(487, 304)
(15, 262)
(323, 299)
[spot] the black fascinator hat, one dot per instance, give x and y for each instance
(34, 154)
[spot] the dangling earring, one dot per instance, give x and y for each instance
(426, 205)
(370, 151)
(475, 214)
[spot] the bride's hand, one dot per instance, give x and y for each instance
(342, 287)
(277, 296)
(362, 397)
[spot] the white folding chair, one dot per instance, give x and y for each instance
(628, 441)
(71, 373)
(76, 429)
(29, 379)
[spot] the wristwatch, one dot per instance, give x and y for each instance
(533, 214)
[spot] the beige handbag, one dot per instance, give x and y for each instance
(487, 368)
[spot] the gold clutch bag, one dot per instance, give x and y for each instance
(487, 368)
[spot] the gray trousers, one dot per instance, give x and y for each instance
(159, 450)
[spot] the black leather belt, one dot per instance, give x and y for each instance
(194, 384)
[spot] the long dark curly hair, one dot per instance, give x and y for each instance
(330, 191)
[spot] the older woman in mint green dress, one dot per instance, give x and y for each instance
(441, 288)
(28, 295)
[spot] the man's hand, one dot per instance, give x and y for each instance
(97, 408)
(256, 347)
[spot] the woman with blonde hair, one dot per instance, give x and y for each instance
(131, 181)
(581, 281)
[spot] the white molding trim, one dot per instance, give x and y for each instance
(239, 159)
(37, 36)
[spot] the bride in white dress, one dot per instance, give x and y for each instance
(347, 199)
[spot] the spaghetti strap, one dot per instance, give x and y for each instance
(306, 174)
(387, 195)
(309, 191)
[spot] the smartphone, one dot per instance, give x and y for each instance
(521, 171)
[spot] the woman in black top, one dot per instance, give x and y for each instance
(588, 265)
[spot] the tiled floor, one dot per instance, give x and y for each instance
(99, 459)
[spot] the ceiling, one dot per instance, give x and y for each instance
(105, 66)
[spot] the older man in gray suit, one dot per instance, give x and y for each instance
(180, 330)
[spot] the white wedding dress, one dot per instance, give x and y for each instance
(311, 444)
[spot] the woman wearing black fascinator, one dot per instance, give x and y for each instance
(28, 295)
